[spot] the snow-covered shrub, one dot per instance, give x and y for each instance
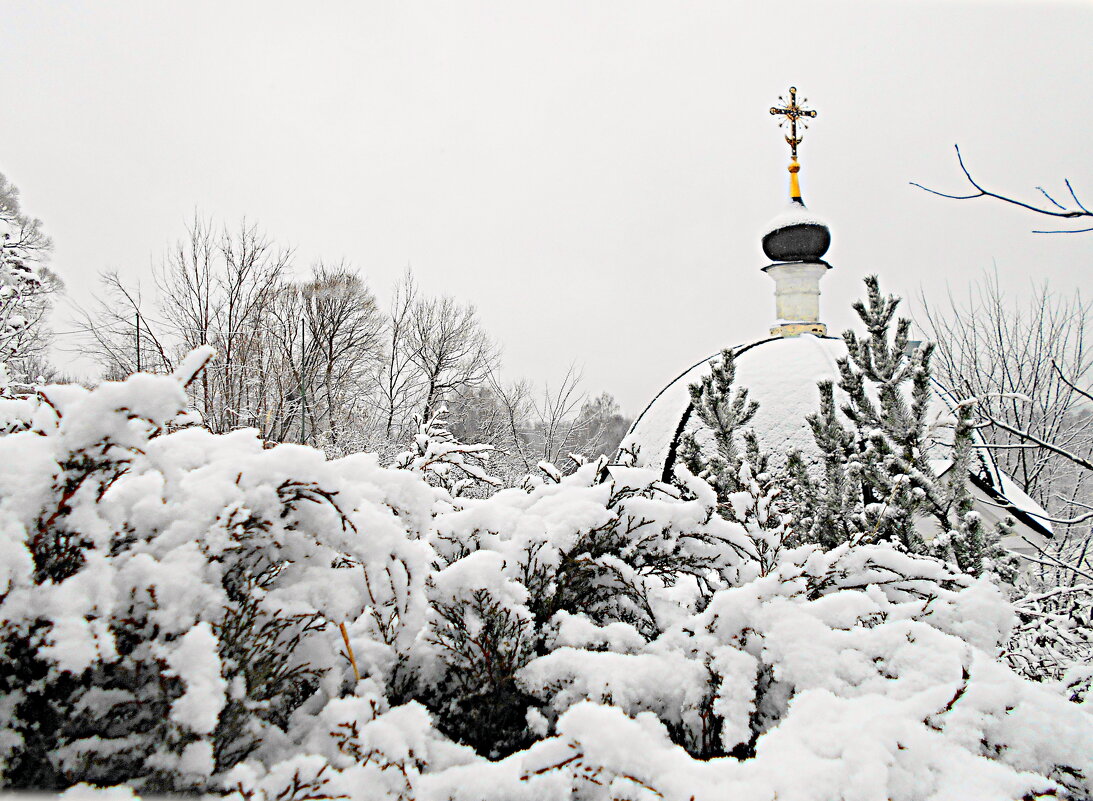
(168, 594)
(859, 673)
(1052, 641)
(172, 603)
(599, 543)
(483, 634)
(838, 634)
(445, 461)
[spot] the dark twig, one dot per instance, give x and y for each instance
(1059, 210)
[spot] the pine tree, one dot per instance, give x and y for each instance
(724, 413)
(748, 487)
(823, 510)
(876, 482)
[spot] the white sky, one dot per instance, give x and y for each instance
(592, 175)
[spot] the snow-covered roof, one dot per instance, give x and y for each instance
(782, 374)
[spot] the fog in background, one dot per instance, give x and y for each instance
(594, 176)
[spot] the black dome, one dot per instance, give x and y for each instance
(802, 241)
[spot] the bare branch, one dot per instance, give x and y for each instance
(1052, 561)
(1078, 460)
(1059, 210)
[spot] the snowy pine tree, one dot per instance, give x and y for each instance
(881, 471)
(747, 487)
(824, 509)
(725, 410)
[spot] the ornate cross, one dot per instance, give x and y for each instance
(792, 112)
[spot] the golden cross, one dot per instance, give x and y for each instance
(792, 112)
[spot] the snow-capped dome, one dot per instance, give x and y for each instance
(796, 235)
(782, 374)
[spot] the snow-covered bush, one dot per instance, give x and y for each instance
(445, 461)
(880, 691)
(599, 543)
(172, 604)
(1052, 641)
(165, 590)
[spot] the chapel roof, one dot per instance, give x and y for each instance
(782, 374)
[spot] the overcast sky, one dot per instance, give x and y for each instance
(594, 176)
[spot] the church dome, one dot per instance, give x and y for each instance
(796, 235)
(781, 374)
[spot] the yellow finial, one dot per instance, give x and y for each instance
(793, 112)
(794, 184)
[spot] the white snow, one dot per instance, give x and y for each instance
(194, 659)
(862, 672)
(793, 214)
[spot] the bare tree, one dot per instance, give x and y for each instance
(603, 425)
(528, 431)
(122, 332)
(1028, 368)
(287, 368)
(450, 349)
(317, 361)
(514, 407)
(213, 288)
(250, 273)
(557, 429)
(397, 380)
(1014, 359)
(187, 280)
(1053, 638)
(487, 414)
(434, 351)
(344, 328)
(1056, 209)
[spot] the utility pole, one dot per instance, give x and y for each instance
(138, 341)
(303, 387)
